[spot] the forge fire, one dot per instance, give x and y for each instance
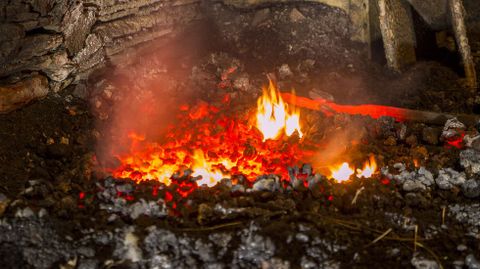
(239, 134)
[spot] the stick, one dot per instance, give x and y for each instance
(376, 111)
(457, 13)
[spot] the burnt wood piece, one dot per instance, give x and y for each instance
(457, 13)
(398, 34)
(377, 111)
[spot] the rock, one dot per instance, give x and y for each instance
(18, 94)
(447, 178)
(422, 263)
(462, 247)
(77, 24)
(296, 15)
(470, 160)
(267, 184)
(452, 128)
(425, 177)
(471, 188)
(284, 72)
(4, 202)
(472, 142)
(24, 213)
(430, 135)
(413, 185)
(260, 16)
(471, 262)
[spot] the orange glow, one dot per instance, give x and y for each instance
(275, 116)
(210, 175)
(212, 143)
(342, 173)
(369, 168)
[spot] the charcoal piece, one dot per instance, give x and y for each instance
(424, 263)
(430, 135)
(413, 185)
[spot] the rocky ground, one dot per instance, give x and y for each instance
(59, 208)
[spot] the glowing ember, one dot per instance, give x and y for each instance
(342, 172)
(275, 116)
(212, 145)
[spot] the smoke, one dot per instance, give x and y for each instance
(339, 145)
(140, 97)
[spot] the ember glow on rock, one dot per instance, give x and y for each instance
(274, 116)
(211, 142)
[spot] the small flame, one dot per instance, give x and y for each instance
(369, 168)
(275, 116)
(342, 172)
(209, 171)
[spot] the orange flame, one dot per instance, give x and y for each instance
(207, 170)
(344, 171)
(275, 116)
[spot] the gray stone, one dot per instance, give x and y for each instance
(471, 188)
(423, 263)
(470, 160)
(425, 177)
(447, 178)
(284, 71)
(413, 185)
(471, 262)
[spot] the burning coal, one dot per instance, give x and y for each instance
(210, 142)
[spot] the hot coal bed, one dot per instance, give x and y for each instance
(166, 134)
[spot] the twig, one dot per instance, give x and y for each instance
(211, 228)
(357, 194)
(444, 209)
(437, 259)
(415, 239)
(379, 238)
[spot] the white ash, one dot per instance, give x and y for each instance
(227, 211)
(470, 160)
(400, 221)
(114, 204)
(448, 178)
(423, 263)
(451, 128)
(127, 247)
(134, 210)
(468, 215)
(411, 181)
(253, 249)
(471, 262)
(269, 183)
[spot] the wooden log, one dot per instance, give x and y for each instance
(376, 111)
(398, 35)
(457, 13)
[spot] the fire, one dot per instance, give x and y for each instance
(344, 171)
(369, 168)
(210, 175)
(275, 116)
(210, 143)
